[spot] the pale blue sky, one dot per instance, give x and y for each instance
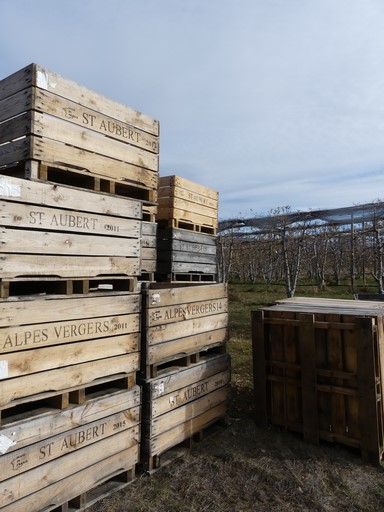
(271, 102)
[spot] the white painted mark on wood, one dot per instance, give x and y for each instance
(9, 189)
(42, 79)
(3, 369)
(5, 444)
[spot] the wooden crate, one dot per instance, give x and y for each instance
(318, 369)
(57, 457)
(181, 320)
(181, 402)
(188, 205)
(184, 255)
(49, 230)
(48, 119)
(49, 344)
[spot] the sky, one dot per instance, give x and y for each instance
(270, 102)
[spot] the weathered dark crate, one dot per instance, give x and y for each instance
(180, 251)
(318, 368)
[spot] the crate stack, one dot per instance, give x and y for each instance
(187, 227)
(185, 368)
(319, 368)
(79, 182)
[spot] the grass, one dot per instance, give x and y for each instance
(244, 468)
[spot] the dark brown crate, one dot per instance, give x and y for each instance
(318, 370)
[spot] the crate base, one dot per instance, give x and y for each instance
(185, 224)
(150, 464)
(190, 277)
(57, 286)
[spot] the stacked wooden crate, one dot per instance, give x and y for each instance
(71, 256)
(319, 368)
(187, 226)
(185, 368)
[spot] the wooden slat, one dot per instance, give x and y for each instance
(308, 378)
(16, 265)
(56, 380)
(366, 374)
(68, 198)
(177, 330)
(173, 182)
(174, 349)
(42, 310)
(259, 367)
(171, 296)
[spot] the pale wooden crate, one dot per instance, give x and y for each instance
(58, 465)
(188, 205)
(50, 119)
(180, 403)
(186, 255)
(49, 230)
(53, 343)
(318, 370)
(180, 321)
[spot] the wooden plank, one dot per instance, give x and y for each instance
(179, 433)
(16, 265)
(41, 477)
(308, 378)
(14, 128)
(187, 207)
(38, 76)
(56, 380)
(14, 106)
(59, 356)
(291, 347)
(64, 198)
(369, 410)
(14, 241)
(15, 151)
(81, 481)
(177, 330)
(173, 379)
(259, 367)
(192, 391)
(186, 311)
(90, 309)
(25, 430)
(173, 182)
(186, 236)
(179, 250)
(171, 296)
(174, 349)
(186, 216)
(49, 127)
